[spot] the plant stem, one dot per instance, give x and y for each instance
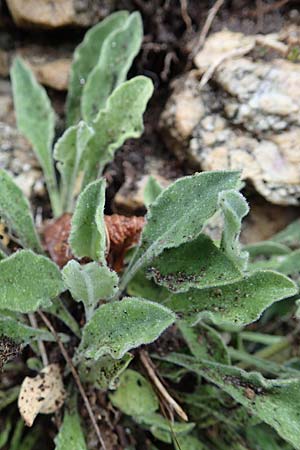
(41, 345)
(75, 376)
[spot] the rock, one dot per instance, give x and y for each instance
(18, 159)
(247, 117)
(50, 66)
(130, 197)
(58, 13)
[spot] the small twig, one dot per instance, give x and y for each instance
(206, 27)
(171, 56)
(145, 359)
(229, 55)
(185, 15)
(75, 376)
(41, 345)
(268, 8)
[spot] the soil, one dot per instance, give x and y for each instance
(169, 34)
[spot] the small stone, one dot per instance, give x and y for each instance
(58, 13)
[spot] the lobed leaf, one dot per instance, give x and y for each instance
(179, 213)
(135, 395)
(36, 120)
(118, 327)
(120, 120)
(89, 283)
(88, 236)
(239, 303)
(234, 207)
(69, 151)
(117, 53)
(273, 401)
(28, 282)
(15, 211)
(198, 264)
(85, 58)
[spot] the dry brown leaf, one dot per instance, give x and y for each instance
(56, 235)
(123, 233)
(43, 394)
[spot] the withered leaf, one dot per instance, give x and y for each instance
(43, 394)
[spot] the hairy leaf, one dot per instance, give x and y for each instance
(151, 191)
(89, 283)
(118, 327)
(117, 53)
(198, 264)
(163, 428)
(15, 211)
(105, 373)
(267, 248)
(120, 120)
(273, 401)
(238, 303)
(36, 120)
(85, 58)
(28, 282)
(204, 342)
(70, 435)
(69, 151)
(234, 207)
(135, 395)
(290, 235)
(179, 213)
(20, 332)
(188, 443)
(88, 237)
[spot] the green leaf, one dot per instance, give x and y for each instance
(199, 264)
(204, 342)
(238, 303)
(290, 236)
(188, 443)
(234, 207)
(273, 401)
(135, 395)
(70, 435)
(8, 396)
(20, 332)
(118, 327)
(69, 151)
(178, 215)
(88, 237)
(266, 248)
(89, 283)
(36, 120)
(85, 58)
(120, 120)
(15, 211)
(5, 430)
(152, 190)
(163, 428)
(28, 282)
(117, 53)
(104, 374)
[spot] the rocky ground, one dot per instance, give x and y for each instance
(231, 102)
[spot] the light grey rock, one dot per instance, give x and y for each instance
(247, 117)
